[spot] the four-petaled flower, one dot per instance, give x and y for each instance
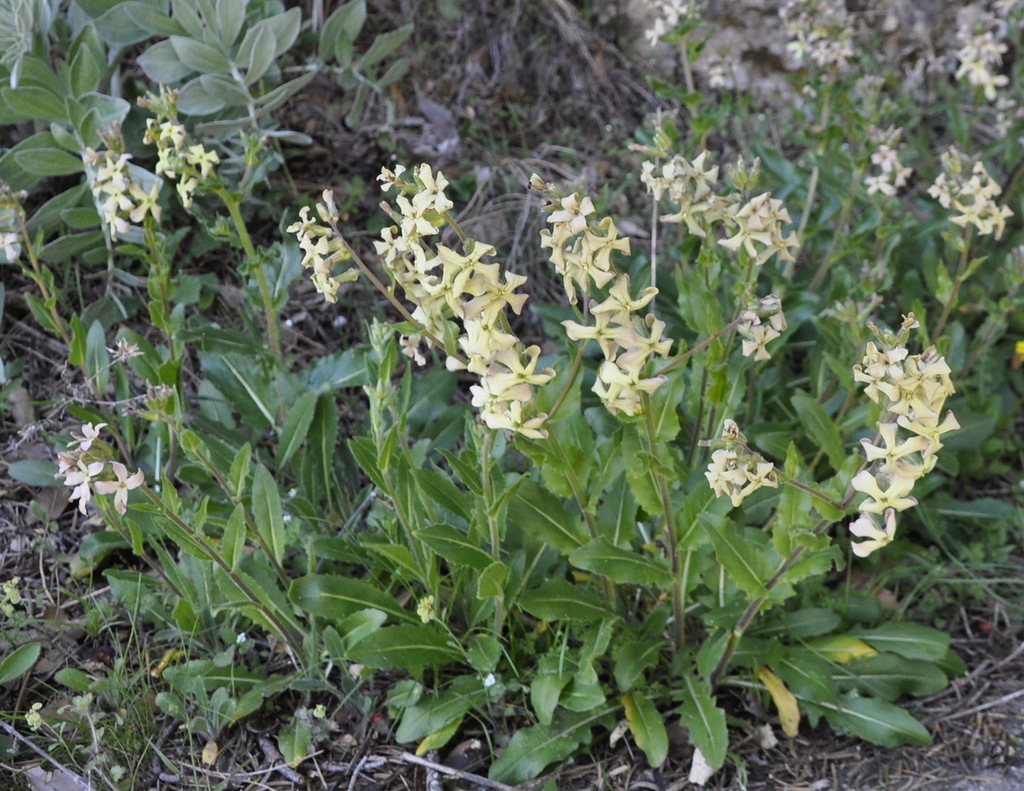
(120, 488)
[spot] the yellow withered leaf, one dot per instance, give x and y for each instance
(785, 702)
(841, 648)
(210, 753)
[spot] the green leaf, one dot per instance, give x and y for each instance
(454, 546)
(295, 741)
(162, 65)
(256, 52)
(131, 22)
(34, 103)
(19, 662)
(73, 679)
(405, 647)
(736, 553)
(34, 472)
(230, 16)
(233, 540)
(296, 427)
(558, 600)
(704, 720)
(888, 677)
(432, 713)
(48, 162)
(647, 727)
(86, 61)
(491, 583)
(383, 45)
(535, 748)
(439, 488)
(910, 640)
(335, 598)
(801, 624)
(342, 26)
(67, 246)
(439, 738)
(632, 658)
(97, 358)
(621, 565)
(200, 55)
(821, 428)
(877, 721)
(267, 513)
(539, 513)
(238, 475)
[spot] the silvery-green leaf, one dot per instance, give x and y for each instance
(161, 64)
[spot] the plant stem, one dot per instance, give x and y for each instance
(492, 520)
(680, 567)
(233, 204)
(293, 638)
(958, 281)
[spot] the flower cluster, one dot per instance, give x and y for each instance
(736, 471)
(891, 174)
(581, 253)
(757, 335)
(177, 158)
(447, 288)
(755, 225)
(322, 248)
(911, 390)
(84, 467)
(117, 189)
(981, 54)
(973, 197)
(821, 30)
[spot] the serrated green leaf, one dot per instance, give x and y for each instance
(621, 565)
(336, 598)
(735, 553)
(704, 720)
(647, 727)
